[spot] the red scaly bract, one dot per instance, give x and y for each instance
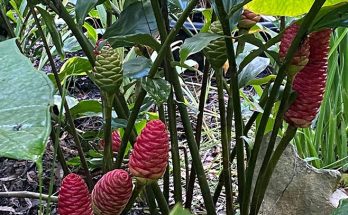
(149, 157)
(116, 141)
(74, 198)
(309, 83)
(301, 57)
(112, 193)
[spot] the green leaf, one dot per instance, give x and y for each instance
(70, 100)
(229, 5)
(132, 39)
(75, 66)
(342, 208)
(285, 8)
(253, 69)
(208, 15)
(82, 9)
(56, 37)
(71, 45)
(86, 108)
(196, 44)
(332, 17)
(137, 18)
(91, 32)
(179, 210)
(118, 123)
(26, 97)
(137, 67)
(158, 89)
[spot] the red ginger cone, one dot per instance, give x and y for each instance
(74, 198)
(309, 83)
(112, 193)
(248, 19)
(150, 154)
(116, 141)
(301, 57)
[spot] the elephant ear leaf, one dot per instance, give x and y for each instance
(25, 100)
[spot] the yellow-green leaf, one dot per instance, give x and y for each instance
(285, 7)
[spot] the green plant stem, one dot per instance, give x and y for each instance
(68, 116)
(174, 80)
(254, 116)
(234, 86)
(198, 134)
(288, 136)
(6, 22)
(224, 143)
(166, 177)
(270, 146)
(166, 173)
(151, 201)
(241, 43)
(139, 186)
(107, 110)
(174, 149)
(270, 101)
(60, 155)
(85, 44)
(55, 141)
(123, 114)
(161, 200)
(152, 73)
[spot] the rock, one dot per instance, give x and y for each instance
(297, 188)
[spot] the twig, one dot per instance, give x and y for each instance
(27, 194)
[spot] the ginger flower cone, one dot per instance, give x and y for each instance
(149, 158)
(112, 193)
(116, 141)
(74, 198)
(309, 83)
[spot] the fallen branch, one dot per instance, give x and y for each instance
(26, 194)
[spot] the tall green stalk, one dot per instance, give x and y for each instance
(224, 143)
(198, 134)
(108, 153)
(174, 149)
(234, 87)
(307, 21)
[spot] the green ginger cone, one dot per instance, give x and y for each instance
(108, 68)
(216, 50)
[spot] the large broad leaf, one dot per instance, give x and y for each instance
(252, 70)
(25, 100)
(82, 9)
(196, 44)
(158, 89)
(342, 208)
(75, 66)
(137, 18)
(136, 25)
(130, 40)
(86, 108)
(137, 68)
(285, 8)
